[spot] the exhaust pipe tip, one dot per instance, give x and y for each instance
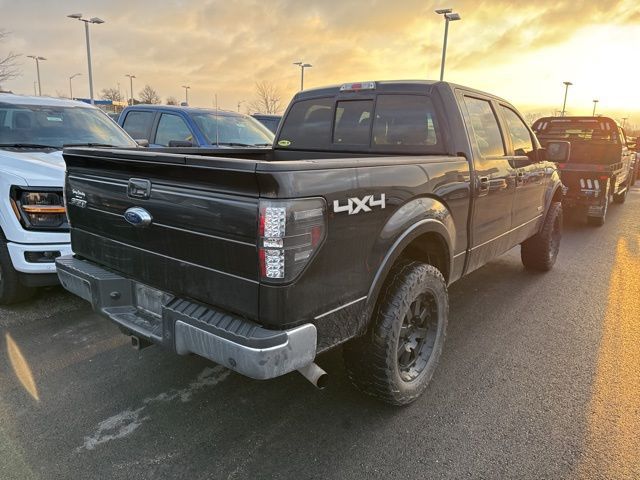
(316, 375)
(139, 343)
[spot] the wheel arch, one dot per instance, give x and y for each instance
(427, 240)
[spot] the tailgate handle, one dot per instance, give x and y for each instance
(139, 188)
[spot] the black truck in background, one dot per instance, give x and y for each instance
(375, 197)
(600, 167)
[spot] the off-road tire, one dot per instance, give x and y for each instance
(373, 362)
(540, 252)
(11, 290)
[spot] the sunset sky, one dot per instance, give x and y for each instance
(522, 51)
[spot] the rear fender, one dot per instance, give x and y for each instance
(415, 218)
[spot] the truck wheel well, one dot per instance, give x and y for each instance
(557, 195)
(429, 248)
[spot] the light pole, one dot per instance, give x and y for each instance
(449, 16)
(566, 90)
(37, 59)
(595, 102)
(131, 77)
(240, 103)
(186, 93)
(71, 86)
(302, 66)
(87, 21)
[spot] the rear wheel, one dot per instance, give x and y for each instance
(11, 290)
(397, 357)
(541, 251)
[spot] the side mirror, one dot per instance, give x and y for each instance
(142, 142)
(558, 152)
(180, 143)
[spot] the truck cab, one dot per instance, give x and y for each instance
(600, 167)
(34, 230)
(173, 126)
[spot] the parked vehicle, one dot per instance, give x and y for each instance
(376, 196)
(633, 146)
(269, 121)
(600, 166)
(33, 225)
(172, 126)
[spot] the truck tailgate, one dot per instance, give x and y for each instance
(201, 241)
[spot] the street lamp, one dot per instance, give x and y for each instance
(186, 93)
(37, 59)
(131, 77)
(595, 102)
(449, 16)
(566, 90)
(78, 16)
(240, 103)
(302, 66)
(70, 86)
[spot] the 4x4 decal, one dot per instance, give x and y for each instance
(356, 205)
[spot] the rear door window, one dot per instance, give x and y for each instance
(485, 127)
(138, 124)
(172, 127)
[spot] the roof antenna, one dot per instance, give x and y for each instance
(217, 134)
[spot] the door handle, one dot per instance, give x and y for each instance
(483, 186)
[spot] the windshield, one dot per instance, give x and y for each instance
(53, 126)
(234, 130)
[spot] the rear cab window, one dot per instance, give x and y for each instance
(386, 122)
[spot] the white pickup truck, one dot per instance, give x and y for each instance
(33, 222)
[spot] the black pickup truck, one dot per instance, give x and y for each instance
(600, 164)
(375, 197)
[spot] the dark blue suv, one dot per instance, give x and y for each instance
(170, 126)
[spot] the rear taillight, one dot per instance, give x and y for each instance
(290, 233)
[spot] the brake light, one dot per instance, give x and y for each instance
(355, 87)
(290, 233)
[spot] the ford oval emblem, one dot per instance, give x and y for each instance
(138, 217)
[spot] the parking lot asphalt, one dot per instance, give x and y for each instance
(540, 378)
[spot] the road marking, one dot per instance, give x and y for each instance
(125, 423)
(613, 441)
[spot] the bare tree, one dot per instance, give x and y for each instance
(8, 62)
(531, 117)
(269, 99)
(172, 101)
(149, 95)
(111, 94)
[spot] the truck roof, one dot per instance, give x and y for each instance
(392, 86)
(578, 117)
(147, 106)
(41, 101)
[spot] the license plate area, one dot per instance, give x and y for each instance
(151, 300)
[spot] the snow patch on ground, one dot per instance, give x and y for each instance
(125, 423)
